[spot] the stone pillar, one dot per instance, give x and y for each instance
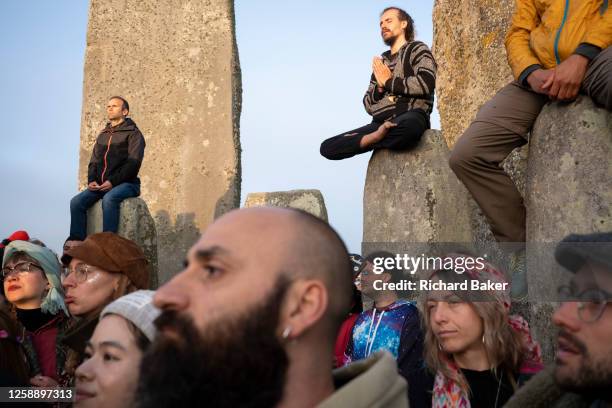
(469, 48)
(136, 224)
(176, 62)
(413, 196)
(568, 190)
(569, 173)
(308, 200)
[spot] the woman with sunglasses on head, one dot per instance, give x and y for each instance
(479, 353)
(101, 269)
(31, 283)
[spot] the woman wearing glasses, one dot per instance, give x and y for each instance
(31, 282)
(479, 353)
(101, 269)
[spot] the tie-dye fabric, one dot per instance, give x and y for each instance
(380, 329)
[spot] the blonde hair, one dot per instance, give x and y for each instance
(504, 347)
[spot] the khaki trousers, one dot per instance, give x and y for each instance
(501, 125)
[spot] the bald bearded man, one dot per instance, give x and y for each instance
(252, 321)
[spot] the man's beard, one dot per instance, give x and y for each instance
(238, 362)
(390, 40)
(593, 377)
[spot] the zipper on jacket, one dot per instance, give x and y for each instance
(557, 58)
(110, 139)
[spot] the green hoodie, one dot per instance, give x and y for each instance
(373, 382)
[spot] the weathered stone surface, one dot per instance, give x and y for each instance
(515, 166)
(176, 62)
(569, 174)
(308, 200)
(568, 190)
(413, 196)
(469, 49)
(136, 224)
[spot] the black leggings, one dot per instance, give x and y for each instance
(410, 127)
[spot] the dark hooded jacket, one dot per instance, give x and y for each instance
(117, 154)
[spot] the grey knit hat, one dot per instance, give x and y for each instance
(136, 307)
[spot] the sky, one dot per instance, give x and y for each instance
(305, 67)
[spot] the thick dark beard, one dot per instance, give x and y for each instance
(593, 377)
(235, 363)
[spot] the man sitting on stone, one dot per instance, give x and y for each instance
(112, 173)
(582, 373)
(400, 96)
(273, 348)
(556, 49)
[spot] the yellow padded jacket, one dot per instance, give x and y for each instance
(545, 32)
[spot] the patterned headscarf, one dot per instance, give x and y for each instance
(54, 301)
(447, 393)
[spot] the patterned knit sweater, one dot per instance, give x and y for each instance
(411, 86)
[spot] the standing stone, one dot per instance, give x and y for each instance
(413, 196)
(469, 49)
(176, 63)
(308, 200)
(136, 224)
(568, 190)
(569, 174)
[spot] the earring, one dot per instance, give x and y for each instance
(286, 332)
(483, 339)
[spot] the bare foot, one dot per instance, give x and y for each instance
(377, 135)
(382, 131)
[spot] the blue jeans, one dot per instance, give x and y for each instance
(111, 200)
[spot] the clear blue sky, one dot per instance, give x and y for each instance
(305, 66)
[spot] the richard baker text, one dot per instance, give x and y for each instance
(436, 285)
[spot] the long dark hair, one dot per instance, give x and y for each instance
(403, 16)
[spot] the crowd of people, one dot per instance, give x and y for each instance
(272, 311)
(268, 312)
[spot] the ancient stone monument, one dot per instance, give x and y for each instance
(569, 173)
(308, 200)
(176, 62)
(136, 224)
(413, 196)
(565, 176)
(469, 48)
(568, 190)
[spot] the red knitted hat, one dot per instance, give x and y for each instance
(16, 236)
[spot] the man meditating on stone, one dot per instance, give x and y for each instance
(112, 173)
(400, 96)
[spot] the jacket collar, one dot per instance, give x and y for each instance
(368, 383)
(126, 125)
